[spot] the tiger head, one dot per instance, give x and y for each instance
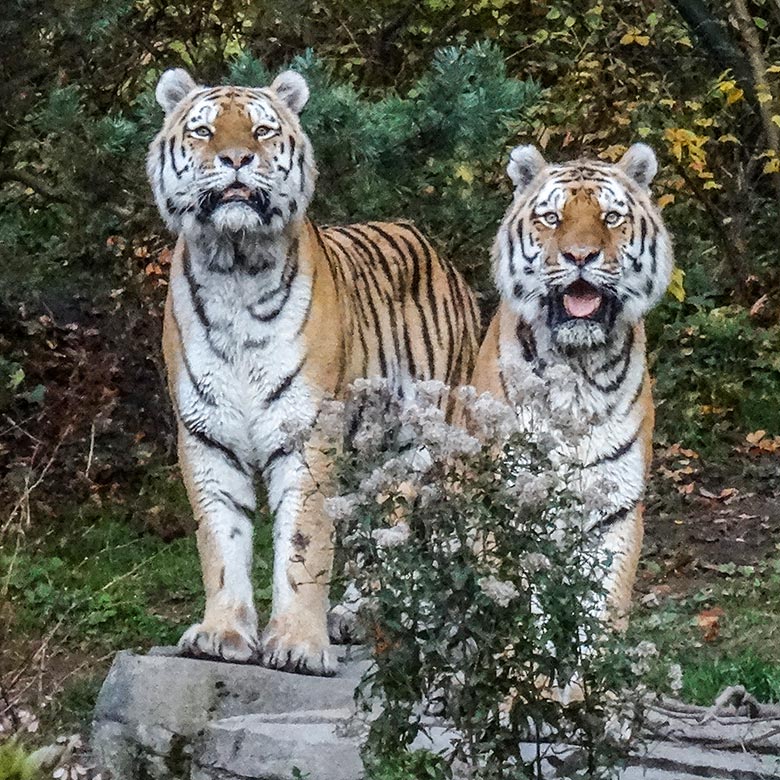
(231, 160)
(582, 251)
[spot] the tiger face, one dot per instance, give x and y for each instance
(231, 160)
(582, 251)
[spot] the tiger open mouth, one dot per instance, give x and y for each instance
(257, 200)
(582, 302)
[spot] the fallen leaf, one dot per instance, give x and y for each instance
(709, 623)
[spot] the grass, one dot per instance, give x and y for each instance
(98, 581)
(95, 584)
(746, 647)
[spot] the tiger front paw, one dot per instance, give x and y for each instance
(236, 644)
(291, 648)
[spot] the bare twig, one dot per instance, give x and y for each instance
(91, 450)
(763, 90)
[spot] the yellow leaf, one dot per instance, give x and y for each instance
(734, 95)
(712, 185)
(776, 119)
(685, 41)
(773, 166)
(465, 172)
(773, 69)
(665, 200)
(677, 285)
(627, 38)
(643, 40)
(727, 86)
(728, 137)
(763, 97)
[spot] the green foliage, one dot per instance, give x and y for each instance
(747, 645)
(417, 764)
(15, 763)
(481, 590)
(703, 681)
(111, 585)
(717, 374)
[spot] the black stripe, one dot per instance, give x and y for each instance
(613, 517)
(428, 258)
(279, 452)
(243, 509)
(284, 385)
(414, 261)
(364, 272)
(205, 396)
(206, 440)
(197, 305)
(162, 165)
(617, 453)
(171, 145)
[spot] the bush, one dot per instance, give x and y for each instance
(481, 588)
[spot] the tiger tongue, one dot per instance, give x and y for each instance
(582, 304)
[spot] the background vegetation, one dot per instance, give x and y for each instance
(90, 501)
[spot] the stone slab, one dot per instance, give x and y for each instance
(252, 747)
(163, 717)
(151, 708)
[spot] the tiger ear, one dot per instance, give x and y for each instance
(292, 89)
(525, 162)
(640, 163)
(174, 85)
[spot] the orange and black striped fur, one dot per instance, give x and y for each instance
(268, 315)
(581, 256)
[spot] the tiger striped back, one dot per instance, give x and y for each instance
(267, 316)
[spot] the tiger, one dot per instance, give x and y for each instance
(269, 316)
(581, 256)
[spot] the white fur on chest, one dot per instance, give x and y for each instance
(241, 338)
(593, 436)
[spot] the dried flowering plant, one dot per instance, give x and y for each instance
(480, 591)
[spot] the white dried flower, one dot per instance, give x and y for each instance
(500, 592)
(675, 677)
(340, 508)
(535, 562)
(391, 537)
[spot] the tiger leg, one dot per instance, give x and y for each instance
(296, 638)
(622, 543)
(620, 548)
(223, 498)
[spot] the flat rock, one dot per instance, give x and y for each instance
(153, 708)
(164, 717)
(251, 746)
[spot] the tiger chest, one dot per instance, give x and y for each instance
(593, 436)
(241, 378)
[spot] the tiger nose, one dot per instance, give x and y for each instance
(235, 158)
(581, 255)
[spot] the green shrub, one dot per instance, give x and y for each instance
(15, 763)
(481, 587)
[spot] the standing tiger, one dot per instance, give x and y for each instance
(581, 257)
(268, 315)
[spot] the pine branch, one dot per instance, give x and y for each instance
(50, 194)
(34, 183)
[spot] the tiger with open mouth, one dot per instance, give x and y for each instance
(581, 256)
